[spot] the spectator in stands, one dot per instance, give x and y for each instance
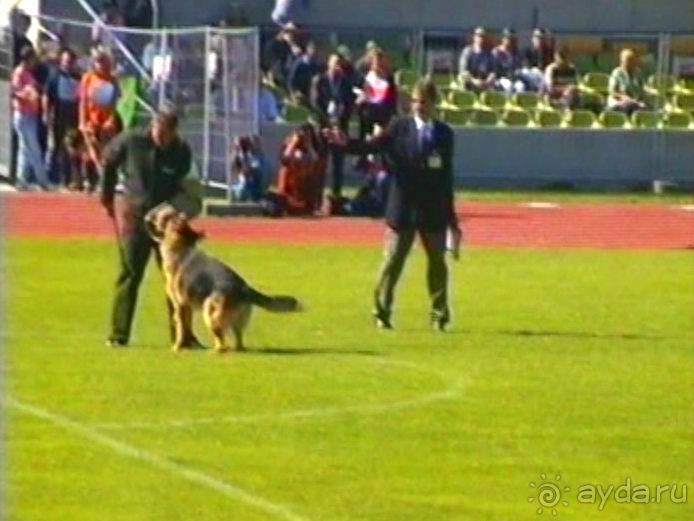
(536, 59)
(76, 152)
(111, 15)
(561, 80)
(476, 66)
(286, 11)
(304, 68)
(247, 165)
(363, 64)
(377, 100)
(278, 56)
(26, 104)
(332, 98)
(507, 62)
(138, 13)
(372, 196)
(61, 115)
(21, 22)
(98, 119)
(300, 181)
(626, 84)
(268, 105)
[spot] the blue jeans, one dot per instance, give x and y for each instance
(29, 153)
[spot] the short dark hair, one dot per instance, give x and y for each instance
(168, 117)
(27, 53)
(427, 89)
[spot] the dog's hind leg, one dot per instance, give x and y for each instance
(239, 323)
(213, 315)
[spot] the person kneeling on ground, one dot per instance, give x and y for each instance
(300, 182)
(247, 164)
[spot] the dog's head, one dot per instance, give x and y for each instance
(169, 226)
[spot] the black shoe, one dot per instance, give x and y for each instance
(116, 342)
(440, 322)
(382, 319)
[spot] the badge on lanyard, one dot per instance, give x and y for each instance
(435, 161)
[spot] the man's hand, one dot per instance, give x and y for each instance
(335, 136)
(109, 207)
(454, 240)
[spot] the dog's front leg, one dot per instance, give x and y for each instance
(179, 313)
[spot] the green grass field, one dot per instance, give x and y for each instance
(577, 363)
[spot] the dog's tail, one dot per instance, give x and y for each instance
(276, 304)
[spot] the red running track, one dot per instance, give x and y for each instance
(511, 225)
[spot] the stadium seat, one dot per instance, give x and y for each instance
(456, 117)
(483, 118)
(645, 119)
(592, 101)
(661, 84)
(684, 102)
(613, 119)
(296, 113)
(462, 99)
(515, 118)
(580, 119)
(493, 100)
(526, 100)
(548, 118)
(656, 101)
(677, 120)
(442, 81)
(596, 82)
(685, 86)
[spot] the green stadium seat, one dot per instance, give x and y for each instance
(656, 101)
(580, 119)
(685, 86)
(462, 99)
(596, 82)
(493, 100)
(645, 119)
(592, 101)
(296, 113)
(442, 81)
(483, 118)
(677, 120)
(661, 84)
(613, 119)
(548, 118)
(456, 117)
(526, 100)
(515, 118)
(684, 102)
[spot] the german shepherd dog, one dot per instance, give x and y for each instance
(196, 281)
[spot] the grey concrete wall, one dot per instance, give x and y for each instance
(516, 158)
(561, 15)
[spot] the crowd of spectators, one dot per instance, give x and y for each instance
(65, 105)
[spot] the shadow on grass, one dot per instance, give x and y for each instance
(289, 351)
(566, 334)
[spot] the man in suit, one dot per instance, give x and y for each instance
(333, 100)
(418, 151)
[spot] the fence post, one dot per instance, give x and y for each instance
(207, 100)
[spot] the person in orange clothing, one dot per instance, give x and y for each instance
(301, 177)
(98, 119)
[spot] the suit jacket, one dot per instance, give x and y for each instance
(421, 195)
(323, 91)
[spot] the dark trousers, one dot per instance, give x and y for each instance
(60, 166)
(137, 247)
(397, 247)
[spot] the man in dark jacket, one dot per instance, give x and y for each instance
(333, 99)
(418, 151)
(157, 167)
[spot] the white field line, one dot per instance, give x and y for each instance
(451, 392)
(687, 207)
(195, 476)
(540, 205)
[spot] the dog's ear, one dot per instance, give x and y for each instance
(152, 229)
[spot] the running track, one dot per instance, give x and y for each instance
(510, 225)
